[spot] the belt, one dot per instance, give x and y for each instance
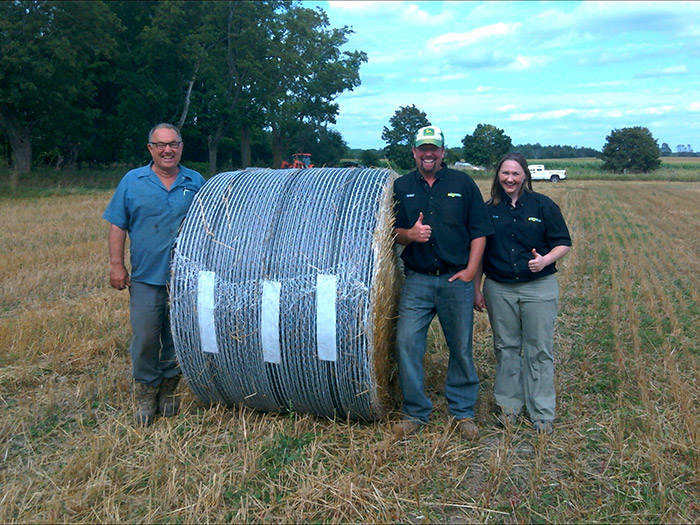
(444, 271)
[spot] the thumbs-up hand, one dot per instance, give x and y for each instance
(420, 232)
(537, 263)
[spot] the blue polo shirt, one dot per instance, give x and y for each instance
(152, 215)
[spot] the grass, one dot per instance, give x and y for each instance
(673, 169)
(626, 441)
(46, 182)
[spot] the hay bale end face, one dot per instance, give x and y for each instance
(284, 291)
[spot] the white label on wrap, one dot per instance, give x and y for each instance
(326, 291)
(205, 312)
(270, 321)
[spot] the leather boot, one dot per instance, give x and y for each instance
(168, 402)
(146, 404)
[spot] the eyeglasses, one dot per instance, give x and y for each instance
(162, 145)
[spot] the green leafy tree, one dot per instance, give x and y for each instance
(665, 150)
(326, 146)
(329, 147)
(233, 73)
(486, 146)
(197, 65)
(305, 73)
(51, 56)
(631, 149)
(370, 157)
(453, 155)
(399, 136)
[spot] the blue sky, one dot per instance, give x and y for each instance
(550, 72)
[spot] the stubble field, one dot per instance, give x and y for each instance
(626, 446)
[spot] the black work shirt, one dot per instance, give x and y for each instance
(455, 210)
(535, 222)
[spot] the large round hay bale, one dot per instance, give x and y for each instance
(284, 291)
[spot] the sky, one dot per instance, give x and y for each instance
(565, 73)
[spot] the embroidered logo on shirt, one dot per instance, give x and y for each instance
(534, 219)
(454, 194)
(410, 195)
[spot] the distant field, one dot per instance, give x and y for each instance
(588, 168)
(625, 447)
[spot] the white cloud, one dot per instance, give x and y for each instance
(694, 106)
(663, 72)
(447, 77)
(506, 108)
(520, 117)
(544, 115)
(415, 15)
(521, 63)
(652, 111)
(362, 6)
(461, 40)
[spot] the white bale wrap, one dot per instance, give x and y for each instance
(284, 290)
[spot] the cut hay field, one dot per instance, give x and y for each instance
(626, 446)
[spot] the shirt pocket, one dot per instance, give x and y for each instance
(452, 211)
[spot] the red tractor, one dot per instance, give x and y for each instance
(299, 160)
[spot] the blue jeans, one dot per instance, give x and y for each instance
(152, 349)
(423, 297)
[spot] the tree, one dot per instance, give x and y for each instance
(51, 54)
(326, 146)
(486, 146)
(305, 73)
(453, 155)
(631, 149)
(370, 157)
(665, 150)
(399, 137)
(232, 72)
(537, 151)
(685, 150)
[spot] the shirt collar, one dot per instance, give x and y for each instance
(181, 173)
(505, 199)
(438, 174)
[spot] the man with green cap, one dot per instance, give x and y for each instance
(441, 221)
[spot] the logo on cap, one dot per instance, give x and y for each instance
(429, 135)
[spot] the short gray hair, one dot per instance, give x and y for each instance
(167, 126)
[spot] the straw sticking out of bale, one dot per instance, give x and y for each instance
(284, 291)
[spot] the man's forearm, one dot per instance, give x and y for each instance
(476, 252)
(117, 240)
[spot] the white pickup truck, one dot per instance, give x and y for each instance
(539, 173)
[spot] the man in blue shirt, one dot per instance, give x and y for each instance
(149, 205)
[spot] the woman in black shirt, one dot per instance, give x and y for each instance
(521, 292)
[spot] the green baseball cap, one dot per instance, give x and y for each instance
(429, 135)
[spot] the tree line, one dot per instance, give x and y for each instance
(244, 81)
(631, 149)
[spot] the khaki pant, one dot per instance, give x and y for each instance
(522, 317)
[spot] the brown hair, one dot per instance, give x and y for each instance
(496, 186)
